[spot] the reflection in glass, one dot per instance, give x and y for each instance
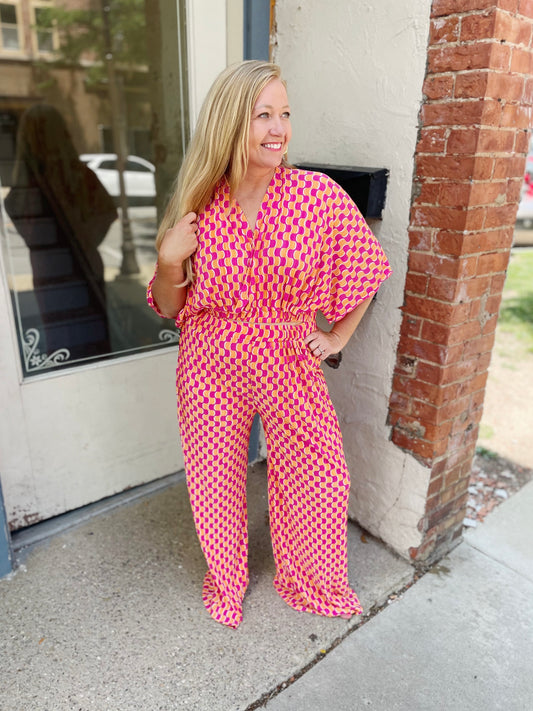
(138, 176)
(8, 23)
(44, 30)
(62, 212)
(80, 160)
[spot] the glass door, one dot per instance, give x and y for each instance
(93, 126)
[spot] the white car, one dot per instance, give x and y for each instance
(138, 176)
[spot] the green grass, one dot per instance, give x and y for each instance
(486, 431)
(516, 314)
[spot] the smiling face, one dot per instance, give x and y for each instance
(270, 128)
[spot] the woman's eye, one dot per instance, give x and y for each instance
(266, 115)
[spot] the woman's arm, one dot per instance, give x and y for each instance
(178, 244)
(325, 343)
(345, 327)
(170, 299)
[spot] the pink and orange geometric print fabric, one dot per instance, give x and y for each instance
(310, 250)
(227, 371)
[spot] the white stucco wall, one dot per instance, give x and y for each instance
(355, 72)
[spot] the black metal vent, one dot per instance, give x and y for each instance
(366, 186)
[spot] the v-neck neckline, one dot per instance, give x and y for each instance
(266, 196)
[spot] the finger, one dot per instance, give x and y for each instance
(192, 241)
(311, 337)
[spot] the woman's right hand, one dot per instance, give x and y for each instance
(179, 242)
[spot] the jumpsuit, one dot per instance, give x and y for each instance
(310, 250)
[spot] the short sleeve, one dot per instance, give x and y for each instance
(353, 263)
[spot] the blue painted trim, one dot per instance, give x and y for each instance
(6, 554)
(253, 446)
(256, 29)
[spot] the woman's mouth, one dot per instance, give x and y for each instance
(272, 146)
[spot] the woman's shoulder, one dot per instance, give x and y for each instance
(314, 184)
(304, 177)
(311, 180)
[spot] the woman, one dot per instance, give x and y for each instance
(249, 250)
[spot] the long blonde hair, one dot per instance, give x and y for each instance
(219, 146)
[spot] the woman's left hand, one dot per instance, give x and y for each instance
(322, 344)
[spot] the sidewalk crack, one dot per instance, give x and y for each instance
(500, 562)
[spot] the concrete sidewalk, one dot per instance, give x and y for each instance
(461, 638)
(108, 616)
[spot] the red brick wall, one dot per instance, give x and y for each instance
(468, 172)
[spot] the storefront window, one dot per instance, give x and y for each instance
(86, 161)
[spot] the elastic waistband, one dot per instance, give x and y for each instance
(262, 316)
(242, 330)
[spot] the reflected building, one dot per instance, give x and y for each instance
(72, 301)
(38, 63)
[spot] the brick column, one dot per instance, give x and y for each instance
(468, 173)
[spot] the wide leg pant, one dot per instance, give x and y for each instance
(227, 372)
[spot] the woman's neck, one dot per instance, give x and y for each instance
(255, 184)
(251, 193)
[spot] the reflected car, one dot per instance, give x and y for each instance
(139, 176)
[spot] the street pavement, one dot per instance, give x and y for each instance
(461, 638)
(107, 616)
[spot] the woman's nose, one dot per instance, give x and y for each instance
(276, 127)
